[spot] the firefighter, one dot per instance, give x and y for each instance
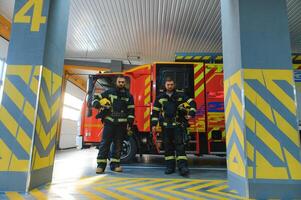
(166, 109)
(116, 124)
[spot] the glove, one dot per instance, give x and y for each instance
(130, 130)
(99, 115)
(191, 113)
(96, 104)
(96, 97)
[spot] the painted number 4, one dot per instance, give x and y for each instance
(36, 19)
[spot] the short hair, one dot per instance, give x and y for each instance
(168, 79)
(120, 76)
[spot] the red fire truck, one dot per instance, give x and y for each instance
(203, 82)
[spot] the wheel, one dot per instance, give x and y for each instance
(128, 151)
(86, 146)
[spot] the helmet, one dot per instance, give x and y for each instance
(105, 103)
(183, 109)
(182, 112)
(105, 108)
(184, 106)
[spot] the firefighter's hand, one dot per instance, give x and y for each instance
(96, 104)
(99, 115)
(129, 130)
(154, 129)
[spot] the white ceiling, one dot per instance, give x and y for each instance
(7, 8)
(151, 29)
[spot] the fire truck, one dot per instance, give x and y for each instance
(203, 82)
(199, 79)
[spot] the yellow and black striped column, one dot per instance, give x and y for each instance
(29, 109)
(263, 144)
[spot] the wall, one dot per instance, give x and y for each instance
(3, 54)
(3, 48)
(73, 98)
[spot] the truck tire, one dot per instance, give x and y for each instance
(128, 151)
(86, 146)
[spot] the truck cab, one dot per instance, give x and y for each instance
(202, 82)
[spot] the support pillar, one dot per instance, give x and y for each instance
(29, 111)
(263, 145)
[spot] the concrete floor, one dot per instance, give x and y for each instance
(74, 178)
(147, 166)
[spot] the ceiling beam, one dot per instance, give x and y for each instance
(5, 28)
(113, 66)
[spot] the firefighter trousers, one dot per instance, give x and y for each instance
(112, 132)
(174, 147)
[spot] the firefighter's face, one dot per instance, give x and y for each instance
(120, 83)
(169, 86)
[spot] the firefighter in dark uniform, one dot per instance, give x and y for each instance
(166, 109)
(117, 122)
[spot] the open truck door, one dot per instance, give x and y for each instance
(141, 89)
(92, 128)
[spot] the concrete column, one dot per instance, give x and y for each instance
(32, 89)
(263, 145)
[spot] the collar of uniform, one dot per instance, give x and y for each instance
(173, 96)
(169, 94)
(120, 90)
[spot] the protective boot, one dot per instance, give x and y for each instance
(183, 167)
(115, 167)
(118, 169)
(170, 166)
(169, 170)
(100, 169)
(184, 171)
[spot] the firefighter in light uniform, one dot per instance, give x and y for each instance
(166, 106)
(116, 123)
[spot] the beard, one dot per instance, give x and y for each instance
(120, 87)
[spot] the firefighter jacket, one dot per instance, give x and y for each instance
(165, 108)
(122, 106)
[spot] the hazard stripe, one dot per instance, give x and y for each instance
(47, 120)
(134, 188)
(17, 115)
(198, 80)
(234, 125)
(271, 125)
(14, 196)
(147, 99)
(36, 193)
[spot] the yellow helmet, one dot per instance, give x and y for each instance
(104, 108)
(184, 106)
(104, 102)
(183, 110)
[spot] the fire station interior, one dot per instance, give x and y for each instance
(238, 61)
